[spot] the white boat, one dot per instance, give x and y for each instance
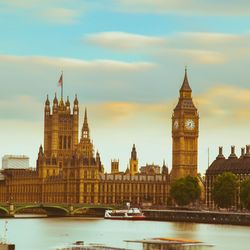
(125, 214)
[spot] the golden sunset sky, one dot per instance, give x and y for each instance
(125, 60)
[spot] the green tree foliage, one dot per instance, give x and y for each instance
(224, 189)
(245, 193)
(185, 190)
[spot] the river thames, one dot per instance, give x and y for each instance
(51, 233)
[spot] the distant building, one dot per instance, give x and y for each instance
(15, 161)
(150, 169)
(240, 166)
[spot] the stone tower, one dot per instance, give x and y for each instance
(60, 135)
(85, 147)
(185, 132)
(114, 166)
(133, 164)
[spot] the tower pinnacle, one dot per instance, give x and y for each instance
(85, 117)
(85, 127)
(185, 85)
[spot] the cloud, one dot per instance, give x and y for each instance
(192, 47)
(103, 65)
(201, 56)
(124, 40)
(225, 104)
(60, 12)
(60, 15)
(122, 113)
(101, 80)
(217, 105)
(192, 7)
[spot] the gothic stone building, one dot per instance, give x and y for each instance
(185, 132)
(68, 170)
(240, 166)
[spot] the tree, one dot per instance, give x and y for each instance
(185, 190)
(224, 189)
(245, 193)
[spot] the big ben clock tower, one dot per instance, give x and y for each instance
(185, 132)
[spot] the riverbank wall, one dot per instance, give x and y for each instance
(209, 217)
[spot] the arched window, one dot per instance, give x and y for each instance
(69, 142)
(65, 142)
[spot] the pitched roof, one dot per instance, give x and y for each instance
(234, 165)
(185, 85)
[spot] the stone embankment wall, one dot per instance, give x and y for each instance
(199, 217)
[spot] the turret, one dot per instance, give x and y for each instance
(47, 106)
(85, 127)
(133, 153)
(164, 168)
(40, 156)
(99, 163)
(133, 161)
(40, 153)
(114, 166)
(67, 104)
(75, 108)
(55, 104)
(75, 122)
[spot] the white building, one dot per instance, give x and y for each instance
(15, 161)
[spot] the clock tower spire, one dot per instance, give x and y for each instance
(185, 132)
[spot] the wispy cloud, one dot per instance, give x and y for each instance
(60, 12)
(202, 7)
(103, 65)
(225, 104)
(60, 15)
(123, 40)
(195, 47)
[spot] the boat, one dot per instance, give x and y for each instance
(79, 245)
(125, 214)
(170, 244)
(6, 246)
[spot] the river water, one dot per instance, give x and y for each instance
(50, 233)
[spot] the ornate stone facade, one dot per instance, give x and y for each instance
(68, 170)
(185, 132)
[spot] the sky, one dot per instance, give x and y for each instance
(125, 60)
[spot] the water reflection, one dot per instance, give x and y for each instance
(185, 230)
(48, 233)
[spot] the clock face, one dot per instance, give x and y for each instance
(189, 124)
(176, 124)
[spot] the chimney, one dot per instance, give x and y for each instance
(220, 155)
(232, 155)
(220, 150)
(242, 152)
(247, 151)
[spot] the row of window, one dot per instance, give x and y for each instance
(64, 142)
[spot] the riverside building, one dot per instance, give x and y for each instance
(69, 171)
(240, 166)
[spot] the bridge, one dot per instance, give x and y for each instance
(52, 209)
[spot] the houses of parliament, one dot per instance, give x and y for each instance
(69, 171)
